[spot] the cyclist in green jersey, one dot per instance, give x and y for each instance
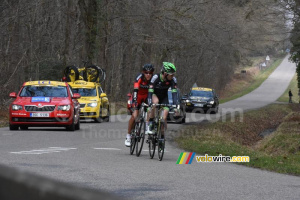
(158, 92)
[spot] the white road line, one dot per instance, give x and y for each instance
(34, 153)
(61, 148)
(107, 149)
(44, 150)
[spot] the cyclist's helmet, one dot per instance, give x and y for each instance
(168, 67)
(148, 67)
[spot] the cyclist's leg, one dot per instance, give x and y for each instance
(140, 100)
(151, 113)
(165, 115)
(166, 112)
(132, 120)
(130, 126)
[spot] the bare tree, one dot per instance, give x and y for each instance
(206, 40)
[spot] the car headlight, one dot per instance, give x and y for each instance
(16, 107)
(92, 104)
(211, 102)
(187, 101)
(64, 107)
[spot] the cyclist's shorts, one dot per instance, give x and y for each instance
(141, 99)
(163, 99)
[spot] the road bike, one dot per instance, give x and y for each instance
(138, 132)
(158, 125)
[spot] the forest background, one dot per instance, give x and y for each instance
(207, 40)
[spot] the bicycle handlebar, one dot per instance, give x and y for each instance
(163, 105)
(166, 105)
(145, 105)
(160, 105)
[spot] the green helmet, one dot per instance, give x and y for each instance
(168, 67)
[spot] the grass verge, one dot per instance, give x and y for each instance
(279, 151)
(244, 84)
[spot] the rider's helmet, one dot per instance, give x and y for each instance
(168, 67)
(148, 67)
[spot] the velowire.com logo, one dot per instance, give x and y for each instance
(187, 158)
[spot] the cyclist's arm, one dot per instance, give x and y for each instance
(174, 90)
(151, 88)
(136, 86)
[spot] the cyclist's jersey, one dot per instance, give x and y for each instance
(141, 86)
(160, 87)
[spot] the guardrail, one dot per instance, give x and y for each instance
(19, 185)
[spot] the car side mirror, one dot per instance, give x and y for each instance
(76, 96)
(13, 95)
(129, 95)
(103, 95)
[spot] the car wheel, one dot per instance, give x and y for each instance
(24, 127)
(77, 126)
(98, 119)
(217, 109)
(13, 127)
(183, 120)
(71, 127)
(213, 110)
(106, 119)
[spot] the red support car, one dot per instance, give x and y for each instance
(44, 103)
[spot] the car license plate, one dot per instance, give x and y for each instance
(199, 105)
(39, 114)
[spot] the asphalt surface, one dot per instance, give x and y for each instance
(95, 157)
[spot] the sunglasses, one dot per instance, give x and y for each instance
(171, 74)
(147, 73)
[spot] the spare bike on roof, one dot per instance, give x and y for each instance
(91, 73)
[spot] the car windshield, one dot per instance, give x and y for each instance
(44, 91)
(85, 92)
(199, 93)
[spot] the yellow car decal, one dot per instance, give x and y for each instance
(201, 89)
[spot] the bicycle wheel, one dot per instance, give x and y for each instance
(140, 138)
(133, 142)
(161, 142)
(152, 145)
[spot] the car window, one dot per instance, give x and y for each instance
(85, 92)
(44, 91)
(201, 93)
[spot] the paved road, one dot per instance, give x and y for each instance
(96, 157)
